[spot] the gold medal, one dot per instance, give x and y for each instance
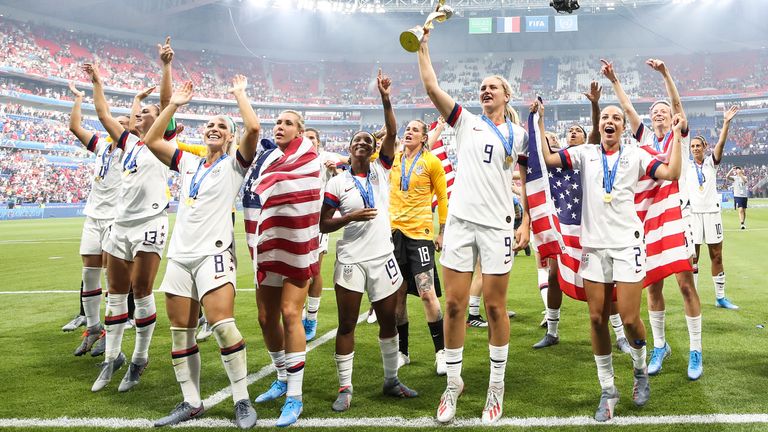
(190, 201)
(607, 198)
(510, 159)
(126, 173)
(98, 179)
(701, 188)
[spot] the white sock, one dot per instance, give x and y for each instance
(719, 281)
(453, 360)
(278, 361)
(91, 295)
(542, 275)
(114, 322)
(696, 277)
(657, 328)
(313, 305)
(186, 363)
(389, 347)
(294, 366)
(106, 281)
(638, 356)
(498, 355)
(618, 326)
(605, 371)
(694, 332)
(233, 356)
(553, 320)
(146, 316)
(344, 369)
(474, 305)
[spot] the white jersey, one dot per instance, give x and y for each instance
(482, 191)
(105, 187)
(739, 187)
(646, 137)
(204, 224)
(614, 224)
(365, 240)
(706, 200)
(145, 181)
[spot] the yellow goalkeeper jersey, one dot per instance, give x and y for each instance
(411, 211)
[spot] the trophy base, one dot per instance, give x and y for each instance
(410, 41)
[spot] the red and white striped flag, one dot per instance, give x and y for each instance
(438, 149)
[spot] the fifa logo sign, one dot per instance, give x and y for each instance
(537, 24)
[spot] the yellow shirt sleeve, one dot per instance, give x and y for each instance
(195, 149)
(440, 188)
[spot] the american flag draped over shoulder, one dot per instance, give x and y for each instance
(282, 211)
(438, 149)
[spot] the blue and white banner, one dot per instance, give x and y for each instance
(537, 24)
(566, 23)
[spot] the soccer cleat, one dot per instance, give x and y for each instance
(371, 317)
(131, 378)
(743, 226)
(493, 404)
(695, 366)
(402, 360)
(131, 323)
(181, 413)
(547, 341)
(107, 369)
(608, 400)
(77, 321)
(310, 328)
(657, 359)
(204, 333)
(623, 345)
(100, 346)
(393, 387)
(290, 412)
(245, 415)
(511, 313)
(725, 304)
(447, 408)
(343, 400)
(276, 390)
(543, 323)
(641, 390)
(476, 321)
(440, 368)
(89, 340)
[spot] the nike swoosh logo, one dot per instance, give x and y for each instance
(219, 276)
(507, 261)
(476, 129)
(347, 190)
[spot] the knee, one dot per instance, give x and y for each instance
(290, 314)
(346, 327)
(597, 320)
(454, 309)
(430, 302)
(631, 321)
(495, 312)
(717, 258)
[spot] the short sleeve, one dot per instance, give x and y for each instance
(571, 157)
(332, 192)
(643, 135)
(384, 164)
(239, 165)
(522, 149)
(456, 118)
(648, 164)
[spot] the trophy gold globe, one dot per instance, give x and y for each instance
(411, 38)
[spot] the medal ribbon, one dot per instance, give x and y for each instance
(129, 162)
(405, 182)
(507, 143)
(699, 174)
(194, 186)
(367, 192)
(659, 146)
(105, 163)
(609, 176)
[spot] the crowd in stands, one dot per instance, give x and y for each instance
(28, 177)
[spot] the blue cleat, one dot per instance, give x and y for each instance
(725, 304)
(657, 358)
(695, 366)
(310, 328)
(290, 413)
(276, 390)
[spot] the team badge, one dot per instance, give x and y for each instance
(216, 171)
(347, 272)
(374, 177)
(585, 259)
(419, 169)
(624, 162)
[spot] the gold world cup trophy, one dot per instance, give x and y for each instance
(411, 38)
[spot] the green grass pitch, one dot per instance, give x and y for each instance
(40, 378)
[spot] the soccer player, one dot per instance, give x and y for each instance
(705, 206)
(137, 239)
(656, 141)
(479, 224)
(364, 255)
(99, 212)
(329, 161)
(740, 194)
(575, 136)
(612, 241)
(201, 261)
(283, 202)
(417, 175)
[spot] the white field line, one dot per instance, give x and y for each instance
(41, 241)
(226, 392)
(419, 422)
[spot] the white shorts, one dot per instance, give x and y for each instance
(323, 243)
(195, 277)
(379, 277)
(126, 239)
(271, 279)
(613, 265)
(464, 242)
(707, 228)
(94, 236)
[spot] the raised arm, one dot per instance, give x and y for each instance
(136, 106)
(113, 127)
(671, 170)
(76, 118)
(154, 139)
(674, 95)
(442, 100)
(629, 110)
(595, 90)
(434, 135)
(384, 84)
(728, 115)
(729, 175)
(166, 83)
(251, 124)
(552, 160)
